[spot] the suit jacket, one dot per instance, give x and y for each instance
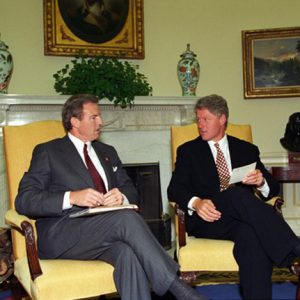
(196, 174)
(56, 167)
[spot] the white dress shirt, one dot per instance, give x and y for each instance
(94, 158)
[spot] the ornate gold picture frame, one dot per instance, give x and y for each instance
(271, 62)
(113, 28)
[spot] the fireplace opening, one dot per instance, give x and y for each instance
(146, 178)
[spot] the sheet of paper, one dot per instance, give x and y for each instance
(102, 209)
(239, 174)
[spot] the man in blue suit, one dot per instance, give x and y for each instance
(219, 211)
(58, 184)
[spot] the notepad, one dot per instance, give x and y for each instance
(102, 209)
(238, 174)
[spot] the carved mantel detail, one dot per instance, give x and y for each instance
(147, 113)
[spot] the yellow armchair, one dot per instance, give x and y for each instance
(44, 279)
(199, 256)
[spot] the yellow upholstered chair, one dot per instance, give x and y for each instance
(201, 258)
(44, 279)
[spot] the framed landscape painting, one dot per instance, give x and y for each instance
(113, 28)
(271, 62)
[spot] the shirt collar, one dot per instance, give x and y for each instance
(78, 143)
(223, 142)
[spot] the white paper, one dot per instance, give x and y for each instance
(239, 174)
(102, 209)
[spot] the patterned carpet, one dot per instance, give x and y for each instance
(280, 291)
(284, 287)
(215, 285)
(279, 275)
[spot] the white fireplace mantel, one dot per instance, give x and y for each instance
(15, 99)
(147, 113)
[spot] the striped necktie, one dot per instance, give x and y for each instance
(222, 168)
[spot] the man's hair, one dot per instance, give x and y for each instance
(74, 107)
(216, 104)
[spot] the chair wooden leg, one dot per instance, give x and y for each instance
(298, 289)
(17, 289)
(295, 269)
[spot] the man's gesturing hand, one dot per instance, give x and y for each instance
(206, 209)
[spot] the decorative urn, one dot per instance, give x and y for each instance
(188, 72)
(6, 67)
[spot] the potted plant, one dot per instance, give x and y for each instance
(110, 78)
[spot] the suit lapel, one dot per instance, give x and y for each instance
(73, 159)
(234, 152)
(207, 159)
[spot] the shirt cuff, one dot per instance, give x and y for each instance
(190, 205)
(264, 189)
(125, 200)
(66, 202)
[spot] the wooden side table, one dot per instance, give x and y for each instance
(287, 173)
(294, 157)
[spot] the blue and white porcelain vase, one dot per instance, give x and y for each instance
(6, 67)
(188, 72)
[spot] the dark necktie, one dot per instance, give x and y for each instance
(222, 168)
(97, 179)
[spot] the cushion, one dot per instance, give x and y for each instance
(206, 255)
(67, 279)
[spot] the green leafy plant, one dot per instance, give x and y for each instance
(118, 81)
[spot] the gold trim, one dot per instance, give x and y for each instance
(60, 40)
(248, 39)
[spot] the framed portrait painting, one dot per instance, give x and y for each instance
(271, 62)
(113, 28)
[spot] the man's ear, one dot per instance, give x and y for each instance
(223, 119)
(75, 122)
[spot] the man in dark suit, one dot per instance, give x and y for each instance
(219, 211)
(58, 184)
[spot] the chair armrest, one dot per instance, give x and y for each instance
(23, 225)
(14, 219)
(278, 205)
(276, 202)
(180, 224)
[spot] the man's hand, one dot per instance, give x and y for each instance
(92, 198)
(254, 178)
(113, 197)
(87, 197)
(206, 209)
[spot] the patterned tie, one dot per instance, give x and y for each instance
(97, 179)
(222, 168)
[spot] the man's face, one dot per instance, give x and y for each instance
(88, 128)
(211, 127)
